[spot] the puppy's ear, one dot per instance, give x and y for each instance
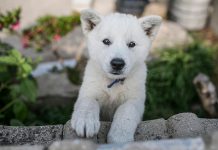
(151, 25)
(89, 19)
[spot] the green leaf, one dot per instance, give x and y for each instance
(20, 110)
(29, 90)
(15, 91)
(8, 60)
(17, 56)
(26, 69)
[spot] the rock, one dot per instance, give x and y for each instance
(155, 132)
(104, 7)
(170, 35)
(214, 18)
(175, 144)
(43, 135)
(184, 125)
(209, 125)
(214, 142)
(56, 87)
(78, 5)
(72, 145)
(102, 134)
(70, 134)
(71, 44)
(151, 130)
(159, 9)
(26, 147)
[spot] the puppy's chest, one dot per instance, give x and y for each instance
(114, 95)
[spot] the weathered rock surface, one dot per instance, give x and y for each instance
(184, 125)
(73, 145)
(55, 89)
(214, 18)
(56, 85)
(170, 35)
(152, 130)
(156, 8)
(11, 135)
(69, 45)
(213, 145)
(175, 144)
(102, 134)
(26, 147)
(68, 133)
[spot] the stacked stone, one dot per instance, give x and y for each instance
(186, 129)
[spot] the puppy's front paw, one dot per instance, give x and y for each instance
(85, 123)
(119, 137)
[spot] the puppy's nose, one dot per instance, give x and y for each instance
(117, 64)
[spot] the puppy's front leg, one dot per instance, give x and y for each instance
(125, 122)
(85, 118)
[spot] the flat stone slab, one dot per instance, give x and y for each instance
(73, 145)
(42, 135)
(175, 144)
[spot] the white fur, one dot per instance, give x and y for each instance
(123, 103)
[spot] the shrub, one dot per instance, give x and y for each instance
(48, 29)
(169, 83)
(17, 87)
(10, 20)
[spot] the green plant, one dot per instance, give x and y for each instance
(48, 29)
(51, 115)
(10, 20)
(169, 84)
(17, 87)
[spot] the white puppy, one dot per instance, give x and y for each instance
(114, 81)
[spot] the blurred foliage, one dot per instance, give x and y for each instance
(18, 93)
(10, 20)
(56, 115)
(17, 87)
(49, 115)
(74, 75)
(48, 29)
(169, 84)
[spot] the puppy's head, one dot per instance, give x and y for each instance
(118, 42)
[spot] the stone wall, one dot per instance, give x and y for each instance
(184, 125)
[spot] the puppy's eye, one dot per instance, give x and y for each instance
(106, 42)
(131, 44)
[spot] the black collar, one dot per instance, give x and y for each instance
(116, 81)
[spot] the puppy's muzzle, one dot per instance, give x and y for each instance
(117, 64)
